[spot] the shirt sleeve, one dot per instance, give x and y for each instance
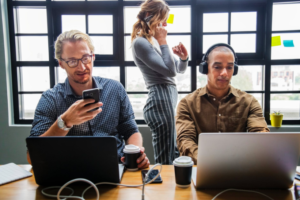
(161, 64)
(127, 125)
(181, 66)
(256, 122)
(186, 132)
(44, 117)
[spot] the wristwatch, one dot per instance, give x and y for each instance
(61, 124)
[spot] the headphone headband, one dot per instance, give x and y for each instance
(219, 45)
(203, 66)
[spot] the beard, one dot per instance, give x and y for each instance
(81, 82)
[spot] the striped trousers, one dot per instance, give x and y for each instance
(159, 114)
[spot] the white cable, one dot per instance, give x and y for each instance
(241, 191)
(94, 185)
(56, 187)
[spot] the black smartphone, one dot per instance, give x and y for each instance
(91, 94)
(152, 175)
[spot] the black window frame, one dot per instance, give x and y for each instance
(56, 8)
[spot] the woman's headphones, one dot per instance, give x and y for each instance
(203, 66)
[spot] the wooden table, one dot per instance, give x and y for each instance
(27, 189)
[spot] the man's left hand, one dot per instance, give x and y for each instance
(143, 161)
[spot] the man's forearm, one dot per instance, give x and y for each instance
(135, 139)
(54, 130)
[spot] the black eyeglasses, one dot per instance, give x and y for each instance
(74, 62)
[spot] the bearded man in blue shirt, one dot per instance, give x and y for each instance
(61, 110)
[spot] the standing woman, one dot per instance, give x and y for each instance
(153, 57)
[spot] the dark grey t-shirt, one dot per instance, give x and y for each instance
(157, 67)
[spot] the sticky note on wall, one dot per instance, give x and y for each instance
(276, 41)
(170, 19)
(288, 43)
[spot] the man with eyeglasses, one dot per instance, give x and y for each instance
(61, 110)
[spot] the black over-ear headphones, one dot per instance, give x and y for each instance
(203, 66)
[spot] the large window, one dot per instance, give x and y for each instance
(264, 34)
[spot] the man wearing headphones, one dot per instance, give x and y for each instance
(217, 107)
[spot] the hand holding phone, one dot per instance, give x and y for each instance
(152, 174)
(92, 94)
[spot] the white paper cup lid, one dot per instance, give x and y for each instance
(131, 149)
(183, 161)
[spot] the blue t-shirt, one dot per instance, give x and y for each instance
(116, 118)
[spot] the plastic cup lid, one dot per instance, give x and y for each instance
(131, 149)
(183, 161)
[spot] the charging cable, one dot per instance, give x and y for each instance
(58, 196)
(241, 191)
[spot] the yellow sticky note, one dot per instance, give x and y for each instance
(170, 19)
(276, 41)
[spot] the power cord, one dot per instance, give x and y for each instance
(241, 191)
(58, 196)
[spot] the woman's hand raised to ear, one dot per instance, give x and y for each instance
(180, 51)
(160, 35)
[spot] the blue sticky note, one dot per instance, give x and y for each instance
(288, 43)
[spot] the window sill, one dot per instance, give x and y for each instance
(283, 128)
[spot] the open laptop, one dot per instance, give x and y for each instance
(246, 160)
(57, 160)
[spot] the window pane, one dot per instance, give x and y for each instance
(287, 104)
(183, 81)
(282, 52)
(174, 40)
(73, 22)
(182, 20)
(128, 50)
(138, 102)
(243, 43)
(107, 72)
(259, 98)
(30, 20)
(243, 21)
(28, 81)
(209, 40)
(32, 48)
(28, 103)
(100, 24)
(215, 22)
(130, 17)
(285, 77)
(201, 79)
(103, 44)
(181, 23)
(134, 79)
(284, 16)
(60, 75)
(249, 78)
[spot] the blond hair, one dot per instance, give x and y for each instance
(159, 9)
(71, 36)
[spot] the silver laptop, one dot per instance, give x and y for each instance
(246, 160)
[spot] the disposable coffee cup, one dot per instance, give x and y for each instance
(183, 171)
(131, 153)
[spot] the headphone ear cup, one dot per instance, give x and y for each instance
(236, 69)
(203, 68)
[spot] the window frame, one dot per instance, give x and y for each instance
(198, 7)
